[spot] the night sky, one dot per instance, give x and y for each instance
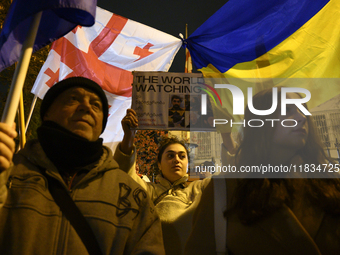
(169, 16)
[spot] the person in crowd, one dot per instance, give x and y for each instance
(289, 215)
(175, 200)
(69, 156)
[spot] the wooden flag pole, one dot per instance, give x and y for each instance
(19, 76)
(21, 116)
(188, 64)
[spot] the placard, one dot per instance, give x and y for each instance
(171, 101)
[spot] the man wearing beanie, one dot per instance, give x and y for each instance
(69, 156)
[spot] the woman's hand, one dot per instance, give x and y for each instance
(130, 122)
(7, 145)
(129, 125)
(225, 129)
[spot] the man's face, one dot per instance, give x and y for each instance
(78, 110)
(176, 103)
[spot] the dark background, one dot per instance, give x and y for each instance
(169, 16)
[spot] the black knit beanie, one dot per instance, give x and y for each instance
(63, 85)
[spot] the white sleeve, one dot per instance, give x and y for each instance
(127, 163)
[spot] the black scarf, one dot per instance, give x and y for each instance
(65, 149)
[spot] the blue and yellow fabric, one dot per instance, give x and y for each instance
(271, 39)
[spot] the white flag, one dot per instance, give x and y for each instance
(107, 53)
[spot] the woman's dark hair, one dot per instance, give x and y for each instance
(166, 141)
(257, 198)
(256, 143)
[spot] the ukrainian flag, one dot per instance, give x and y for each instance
(267, 39)
(271, 39)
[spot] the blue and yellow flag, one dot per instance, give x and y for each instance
(265, 43)
(270, 39)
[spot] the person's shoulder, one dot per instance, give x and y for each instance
(32, 147)
(122, 179)
(29, 158)
(116, 181)
(201, 184)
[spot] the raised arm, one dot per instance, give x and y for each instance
(228, 142)
(7, 147)
(125, 154)
(129, 124)
(225, 129)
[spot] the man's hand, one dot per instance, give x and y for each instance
(7, 145)
(129, 125)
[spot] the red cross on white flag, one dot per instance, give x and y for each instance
(107, 53)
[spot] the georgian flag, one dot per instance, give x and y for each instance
(107, 53)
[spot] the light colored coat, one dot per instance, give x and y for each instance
(118, 210)
(175, 209)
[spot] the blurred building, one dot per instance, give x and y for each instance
(327, 121)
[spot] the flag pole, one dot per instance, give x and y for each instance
(188, 63)
(31, 112)
(187, 69)
(21, 118)
(13, 97)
